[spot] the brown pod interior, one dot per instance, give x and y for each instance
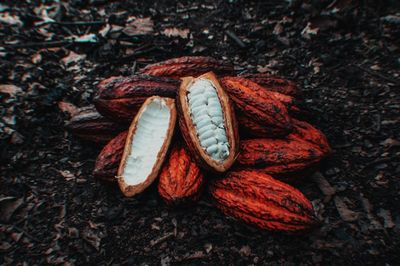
(146, 146)
(200, 122)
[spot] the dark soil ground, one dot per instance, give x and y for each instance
(346, 61)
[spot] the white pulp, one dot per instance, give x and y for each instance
(207, 116)
(150, 134)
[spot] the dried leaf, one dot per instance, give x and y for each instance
(10, 89)
(345, 213)
(90, 237)
(12, 20)
(138, 26)
(387, 218)
(8, 205)
(175, 32)
(72, 58)
(68, 108)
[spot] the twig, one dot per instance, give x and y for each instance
(44, 44)
(78, 23)
(161, 239)
(234, 37)
(379, 75)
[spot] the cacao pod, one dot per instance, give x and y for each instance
(207, 122)
(89, 125)
(307, 132)
(146, 146)
(260, 200)
(120, 98)
(107, 162)
(274, 83)
(250, 128)
(257, 103)
(180, 179)
(187, 66)
(278, 156)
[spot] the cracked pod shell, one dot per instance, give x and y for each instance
(189, 130)
(146, 146)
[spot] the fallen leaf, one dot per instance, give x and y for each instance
(10, 89)
(175, 32)
(345, 213)
(72, 58)
(68, 108)
(324, 186)
(245, 251)
(67, 175)
(387, 218)
(8, 205)
(12, 20)
(90, 237)
(138, 26)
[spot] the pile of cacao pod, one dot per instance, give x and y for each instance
(189, 120)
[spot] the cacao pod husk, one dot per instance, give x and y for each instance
(250, 128)
(260, 200)
(108, 160)
(90, 125)
(120, 98)
(258, 104)
(189, 130)
(275, 83)
(187, 66)
(180, 179)
(305, 131)
(278, 156)
(146, 146)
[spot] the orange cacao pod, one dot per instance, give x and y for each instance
(120, 98)
(262, 201)
(187, 66)
(107, 162)
(89, 125)
(307, 132)
(278, 156)
(257, 103)
(274, 83)
(146, 146)
(180, 179)
(250, 128)
(207, 122)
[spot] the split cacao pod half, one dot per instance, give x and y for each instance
(107, 162)
(187, 66)
(207, 122)
(257, 103)
(180, 179)
(275, 83)
(260, 200)
(146, 146)
(278, 157)
(90, 125)
(307, 132)
(120, 98)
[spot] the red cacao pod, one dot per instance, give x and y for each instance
(207, 122)
(180, 178)
(146, 146)
(107, 162)
(274, 83)
(260, 200)
(187, 66)
(120, 98)
(89, 125)
(257, 103)
(305, 131)
(250, 128)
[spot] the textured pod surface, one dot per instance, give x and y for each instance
(180, 179)
(120, 98)
(187, 66)
(274, 83)
(250, 128)
(107, 162)
(309, 133)
(207, 122)
(278, 156)
(146, 145)
(90, 125)
(258, 103)
(262, 201)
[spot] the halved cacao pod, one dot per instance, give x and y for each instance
(187, 66)
(278, 156)
(260, 200)
(274, 83)
(107, 162)
(257, 103)
(307, 132)
(180, 179)
(146, 146)
(120, 98)
(207, 122)
(89, 125)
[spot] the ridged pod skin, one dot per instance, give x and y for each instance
(278, 156)
(274, 83)
(260, 200)
(257, 103)
(108, 160)
(189, 132)
(89, 125)
(120, 98)
(180, 178)
(250, 128)
(187, 66)
(305, 131)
